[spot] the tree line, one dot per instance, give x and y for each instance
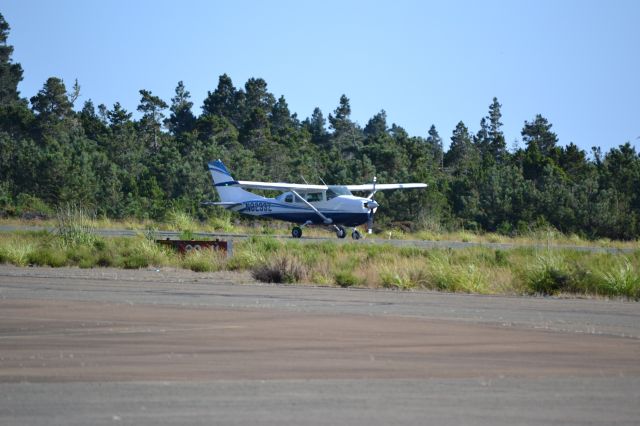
(52, 152)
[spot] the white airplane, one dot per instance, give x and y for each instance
(302, 204)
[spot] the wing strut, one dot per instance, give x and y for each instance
(325, 219)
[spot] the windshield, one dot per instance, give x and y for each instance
(335, 190)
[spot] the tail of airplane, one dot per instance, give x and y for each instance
(226, 186)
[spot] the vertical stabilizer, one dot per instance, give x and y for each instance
(227, 186)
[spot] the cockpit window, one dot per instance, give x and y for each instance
(288, 198)
(314, 196)
(336, 190)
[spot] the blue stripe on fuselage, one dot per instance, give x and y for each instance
(302, 214)
(347, 219)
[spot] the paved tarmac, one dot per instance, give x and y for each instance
(106, 346)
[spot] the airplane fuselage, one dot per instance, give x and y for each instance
(347, 210)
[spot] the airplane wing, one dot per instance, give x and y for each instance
(280, 186)
(385, 186)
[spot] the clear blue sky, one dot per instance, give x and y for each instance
(575, 62)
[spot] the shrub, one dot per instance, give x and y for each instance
(181, 221)
(500, 258)
(100, 243)
(396, 280)
(280, 270)
(31, 207)
(135, 261)
(265, 244)
(106, 259)
(221, 223)
(549, 275)
(622, 280)
(346, 279)
(206, 260)
(47, 256)
(17, 252)
(86, 263)
(153, 252)
(245, 256)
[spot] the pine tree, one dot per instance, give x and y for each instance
(434, 141)
(377, 125)
(92, 124)
(316, 126)
(151, 106)
(181, 119)
(10, 73)
(539, 133)
(224, 101)
(462, 155)
(481, 139)
(51, 102)
(257, 97)
(280, 117)
(341, 121)
(497, 143)
(118, 117)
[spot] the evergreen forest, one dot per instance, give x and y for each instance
(54, 151)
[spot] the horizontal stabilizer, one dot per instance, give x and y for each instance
(226, 204)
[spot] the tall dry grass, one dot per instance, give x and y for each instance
(477, 270)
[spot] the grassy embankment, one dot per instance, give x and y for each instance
(473, 270)
(179, 221)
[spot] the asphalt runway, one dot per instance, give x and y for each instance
(106, 346)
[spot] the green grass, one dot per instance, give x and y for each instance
(346, 279)
(477, 270)
(187, 225)
(203, 260)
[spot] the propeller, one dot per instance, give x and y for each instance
(372, 205)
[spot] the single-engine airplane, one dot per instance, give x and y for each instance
(302, 204)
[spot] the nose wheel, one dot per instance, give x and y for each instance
(356, 235)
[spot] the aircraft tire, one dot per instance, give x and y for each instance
(296, 232)
(341, 233)
(356, 235)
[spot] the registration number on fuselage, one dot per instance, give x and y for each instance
(257, 206)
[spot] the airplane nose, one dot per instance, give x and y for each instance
(371, 204)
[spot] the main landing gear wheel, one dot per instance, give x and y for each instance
(340, 232)
(356, 235)
(296, 232)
